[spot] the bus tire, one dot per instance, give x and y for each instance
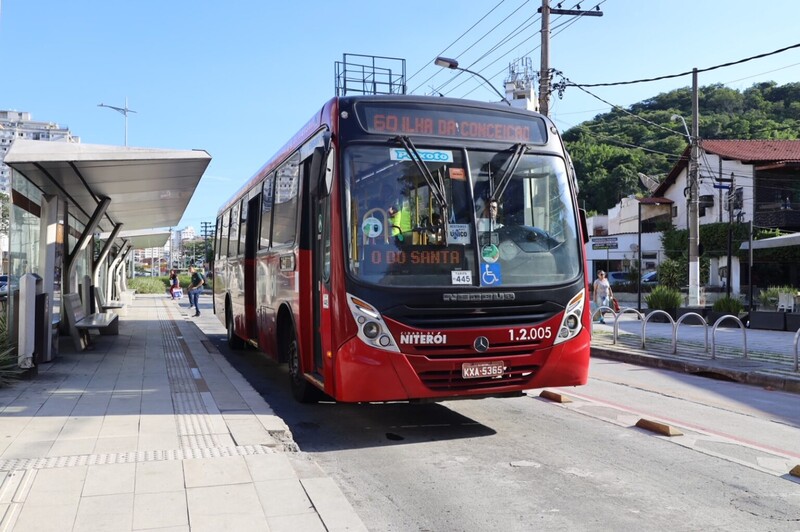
(302, 390)
(234, 342)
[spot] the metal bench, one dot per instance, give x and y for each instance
(104, 305)
(107, 323)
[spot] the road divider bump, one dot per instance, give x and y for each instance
(795, 472)
(660, 428)
(555, 397)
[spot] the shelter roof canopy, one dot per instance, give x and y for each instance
(148, 187)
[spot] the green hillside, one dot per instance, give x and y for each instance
(610, 150)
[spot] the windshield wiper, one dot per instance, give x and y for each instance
(436, 184)
(499, 188)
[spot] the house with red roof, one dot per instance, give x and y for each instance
(741, 181)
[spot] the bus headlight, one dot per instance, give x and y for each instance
(571, 323)
(372, 330)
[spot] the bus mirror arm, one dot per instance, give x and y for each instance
(584, 226)
(318, 182)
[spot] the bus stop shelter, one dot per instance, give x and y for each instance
(77, 211)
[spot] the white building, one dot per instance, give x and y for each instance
(14, 125)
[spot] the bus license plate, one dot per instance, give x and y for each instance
(474, 370)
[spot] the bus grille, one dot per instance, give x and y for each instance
(452, 381)
(446, 318)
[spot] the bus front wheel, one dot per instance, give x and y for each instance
(234, 342)
(302, 390)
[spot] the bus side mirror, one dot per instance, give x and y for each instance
(317, 172)
(584, 226)
(321, 178)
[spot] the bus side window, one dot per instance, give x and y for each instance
(266, 211)
(284, 223)
(233, 232)
(223, 237)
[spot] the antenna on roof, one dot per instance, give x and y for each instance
(651, 184)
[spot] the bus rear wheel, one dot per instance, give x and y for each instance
(234, 342)
(302, 390)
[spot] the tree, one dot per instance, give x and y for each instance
(609, 151)
(4, 213)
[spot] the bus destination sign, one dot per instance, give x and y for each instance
(451, 122)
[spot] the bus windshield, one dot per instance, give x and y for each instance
(479, 218)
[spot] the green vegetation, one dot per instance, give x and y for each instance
(663, 298)
(768, 298)
(9, 370)
(610, 151)
(160, 285)
(728, 305)
(149, 285)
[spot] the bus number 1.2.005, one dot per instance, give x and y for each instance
(532, 333)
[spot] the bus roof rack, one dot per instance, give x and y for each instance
(370, 74)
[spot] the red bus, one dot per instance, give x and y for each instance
(410, 248)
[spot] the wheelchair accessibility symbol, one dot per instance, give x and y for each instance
(490, 275)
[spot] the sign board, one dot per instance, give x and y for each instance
(605, 242)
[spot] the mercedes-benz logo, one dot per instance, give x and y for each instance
(481, 344)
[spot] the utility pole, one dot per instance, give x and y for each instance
(731, 205)
(694, 201)
(206, 229)
(544, 73)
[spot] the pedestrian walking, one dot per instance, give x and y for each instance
(602, 293)
(195, 288)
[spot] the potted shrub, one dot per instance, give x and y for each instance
(726, 306)
(664, 298)
(767, 315)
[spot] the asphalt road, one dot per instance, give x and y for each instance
(528, 463)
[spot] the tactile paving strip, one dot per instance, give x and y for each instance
(17, 464)
(191, 416)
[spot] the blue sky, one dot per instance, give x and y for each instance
(238, 78)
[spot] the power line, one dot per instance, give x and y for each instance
(670, 76)
(454, 42)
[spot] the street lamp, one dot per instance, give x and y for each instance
(685, 127)
(446, 62)
(124, 111)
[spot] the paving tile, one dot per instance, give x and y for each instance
(105, 513)
(72, 447)
(331, 505)
(116, 444)
(120, 425)
(215, 472)
(232, 507)
(81, 427)
(293, 523)
(272, 466)
(155, 477)
(23, 448)
(283, 497)
(57, 486)
(247, 430)
(109, 479)
(160, 510)
(44, 518)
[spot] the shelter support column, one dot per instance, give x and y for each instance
(48, 230)
(83, 241)
(101, 260)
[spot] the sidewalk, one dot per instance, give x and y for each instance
(770, 360)
(154, 429)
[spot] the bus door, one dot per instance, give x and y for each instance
(250, 248)
(321, 252)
